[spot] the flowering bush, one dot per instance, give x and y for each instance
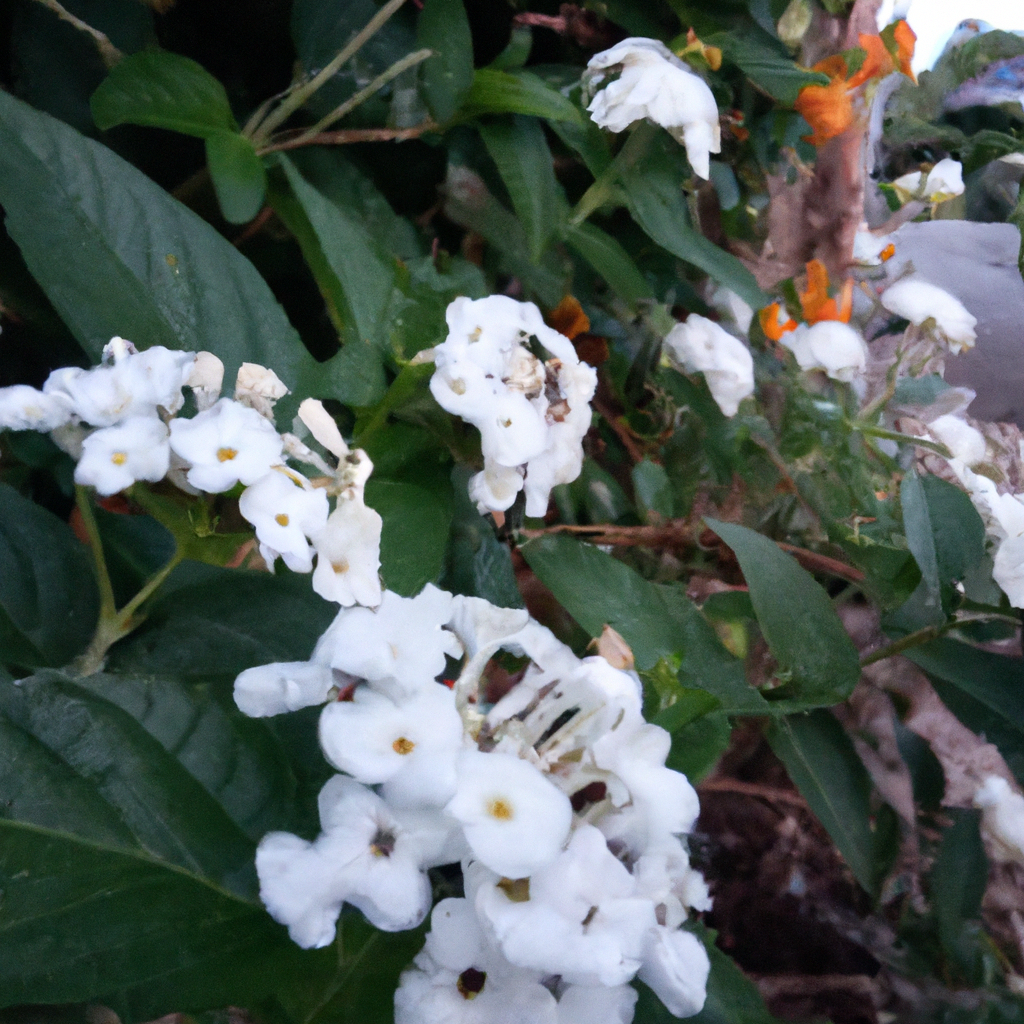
(563, 457)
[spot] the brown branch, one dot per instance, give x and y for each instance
(347, 136)
(771, 794)
(679, 534)
(622, 431)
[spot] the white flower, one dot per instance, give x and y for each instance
(515, 819)
(399, 648)
(409, 746)
(731, 306)
(134, 384)
(828, 345)
(963, 441)
(205, 379)
(944, 181)
(869, 248)
(1008, 569)
(285, 509)
(926, 304)
(364, 857)
(113, 458)
(676, 967)
(581, 920)
(701, 345)
(348, 555)
(1002, 818)
(531, 415)
(24, 408)
(655, 84)
(283, 686)
(259, 388)
(596, 1004)
(227, 444)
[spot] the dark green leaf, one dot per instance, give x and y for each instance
(586, 139)
(365, 274)
(521, 153)
(696, 747)
(796, 617)
(48, 597)
(652, 488)
(821, 761)
(197, 626)
(144, 266)
(415, 533)
(958, 880)
(161, 89)
(653, 191)
(926, 774)
(766, 62)
(519, 92)
(610, 260)
(448, 75)
(238, 175)
(656, 621)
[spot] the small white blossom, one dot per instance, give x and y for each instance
(25, 408)
(348, 555)
(515, 819)
(676, 967)
(113, 458)
(963, 441)
(259, 388)
(944, 181)
(828, 345)
(925, 304)
(655, 84)
(410, 746)
(1002, 818)
(283, 686)
(205, 379)
(700, 345)
(285, 509)
(869, 248)
(227, 444)
(399, 648)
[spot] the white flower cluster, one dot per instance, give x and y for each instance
(119, 420)
(531, 414)
(655, 84)
(931, 308)
(545, 782)
(829, 345)
(700, 345)
(943, 182)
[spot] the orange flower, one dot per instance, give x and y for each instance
(815, 300)
(877, 63)
(771, 323)
(568, 318)
(828, 109)
(904, 37)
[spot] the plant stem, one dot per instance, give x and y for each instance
(347, 136)
(108, 607)
(605, 185)
(108, 51)
(292, 103)
(892, 435)
(366, 92)
(922, 636)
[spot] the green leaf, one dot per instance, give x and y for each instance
(652, 488)
(697, 746)
(48, 597)
(145, 267)
(521, 153)
(448, 75)
(957, 882)
(820, 759)
(766, 62)
(610, 260)
(797, 619)
(238, 175)
(161, 89)
(198, 627)
(657, 621)
(653, 192)
(415, 533)
(926, 774)
(365, 274)
(588, 140)
(518, 92)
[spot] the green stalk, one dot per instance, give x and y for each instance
(605, 187)
(291, 103)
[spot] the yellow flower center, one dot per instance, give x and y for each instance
(403, 746)
(281, 519)
(340, 567)
(226, 454)
(119, 458)
(500, 809)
